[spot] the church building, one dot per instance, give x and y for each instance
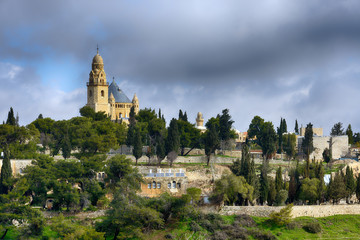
(109, 99)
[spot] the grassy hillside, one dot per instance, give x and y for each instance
(236, 227)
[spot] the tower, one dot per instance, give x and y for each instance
(97, 87)
(135, 103)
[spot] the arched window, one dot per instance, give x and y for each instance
(102, 93)
(154, 184)
(99, 175)
(179, 185)
(149, 185)
(169, 185)
(90, 93)
(103, 175)
(173, 184)
(120, 115)
(158, 185)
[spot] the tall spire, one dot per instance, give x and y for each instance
(97, 48)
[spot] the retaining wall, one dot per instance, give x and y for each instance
(298, 211)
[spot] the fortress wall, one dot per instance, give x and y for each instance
(298, 211)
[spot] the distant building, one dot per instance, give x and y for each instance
(200, 122)
(316, 131)
(108, 99)
(161, 180)
(339, 146)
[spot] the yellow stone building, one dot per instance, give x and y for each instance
(103, 97)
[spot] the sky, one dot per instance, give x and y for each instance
(272, 58)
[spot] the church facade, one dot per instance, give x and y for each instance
(103, 97)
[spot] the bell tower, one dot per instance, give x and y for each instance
(97, 87)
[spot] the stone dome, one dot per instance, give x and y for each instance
(98, 59)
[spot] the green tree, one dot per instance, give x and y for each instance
(225, 127)
(132, 120)
(230, 189)
(272, 193)
(189, 136)
(137, 150)
(254, 127)
(350, 183)
(264, 184)
(289, 145)
(6, 179)
(172, 141)
(337, 188)
(309, 190)
(350, 134)
(194, 193)
(296, 129)
(160, 149)
(357, 190)
(337, 129)
(280, 131)
(326, 155)
(308, 147)
(211, 139)
(267, 139)
(279, 184)
(11, 118)
(66, 147)
(282, 217)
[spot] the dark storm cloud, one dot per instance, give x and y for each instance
(272, 58)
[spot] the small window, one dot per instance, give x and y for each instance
(159, 185)
(149, 185)
(179, 185)
(102, 93)
(154, 184)
(169, 185)
(103, 175)
(174, 184)
(120, 115)
(99, 175)
(90, 93)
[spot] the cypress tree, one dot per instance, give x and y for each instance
(159, 115)
(6, 172)
(11, 118)
(66, 147)
(132, 120)
(357, 190)
(349, 132)
(173, 138)
(185, 117)
(350, 183)
(160, 149)
(264, 185)
(181, 115)
(137, 150)
(296, 127)
(279, 184)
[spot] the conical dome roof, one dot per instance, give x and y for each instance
(119, 95)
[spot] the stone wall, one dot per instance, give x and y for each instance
(17, 165)
(298, 211)
(340, 146)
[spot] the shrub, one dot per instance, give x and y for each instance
(244, 220)
(260, 235)
(313, 227)
(283, 216)
(220, 235)
(195, 227)
(237, 232)
(169, 236)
